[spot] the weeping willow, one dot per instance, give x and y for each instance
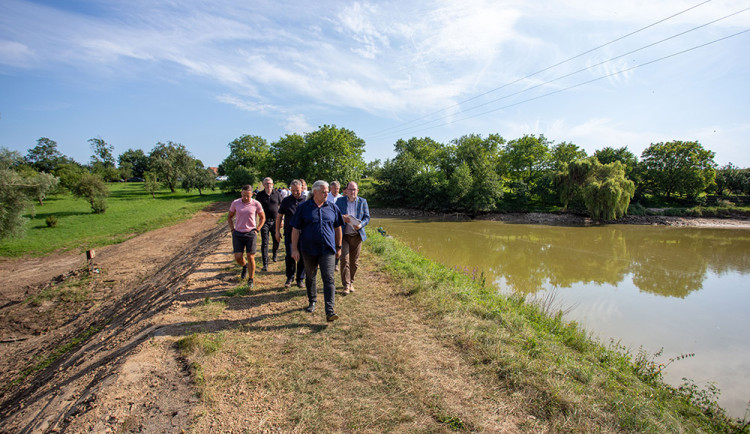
(605, 190)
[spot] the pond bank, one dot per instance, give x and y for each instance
(566, 219)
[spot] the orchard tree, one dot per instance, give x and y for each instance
(170, 161)
(199, 178)
(16, 191)
(92, 188)
(10, 159)
(45, 157)
(677, 167)
(102, 153)
(150, 183)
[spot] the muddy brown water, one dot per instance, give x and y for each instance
(686, 290)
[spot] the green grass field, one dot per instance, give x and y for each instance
(131, 211)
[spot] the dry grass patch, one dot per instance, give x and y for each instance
(383, 367)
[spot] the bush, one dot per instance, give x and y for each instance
(99, 205)
(51, 221)
(92, 188)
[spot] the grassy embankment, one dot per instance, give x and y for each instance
(563, 375)
(131, 211)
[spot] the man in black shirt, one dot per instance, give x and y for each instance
(286, 212)
(271, 200)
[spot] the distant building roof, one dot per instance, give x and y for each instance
(215, 170)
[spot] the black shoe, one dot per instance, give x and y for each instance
(288, 283)
(275, 258)
(310, 307)
(249, 283)
(244, 272)
(332, 317)
(299, 284)
(264, 268)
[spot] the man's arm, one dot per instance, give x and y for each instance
(260, 220)
(365, 215)
(295, 241)
(279, 219)
(339, 238)
(230, 216)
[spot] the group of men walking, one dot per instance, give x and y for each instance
(320, 228)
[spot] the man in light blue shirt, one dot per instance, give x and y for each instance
(356, 214)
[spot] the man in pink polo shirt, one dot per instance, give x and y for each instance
(245, 230)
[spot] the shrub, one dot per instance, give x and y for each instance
(92, 188)
(51, 221)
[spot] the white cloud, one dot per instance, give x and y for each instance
(249, 106)
(15, 54)
(297, 124)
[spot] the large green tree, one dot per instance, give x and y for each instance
(170, 161)
(731, 180)
(523, 163)
(103, 153)
(565, 153)
(286, 154)
(683, 168)
(136, 159)
(332, 153)
(415, 177)
(481, 157)
(103, 160)
(45, 157)
(250, 152)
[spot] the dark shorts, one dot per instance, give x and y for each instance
(242, 241)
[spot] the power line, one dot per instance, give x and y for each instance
(404, 129)
(545, 69)
(593, 80)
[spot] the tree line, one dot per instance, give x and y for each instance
(471, 174)
(484, 174)
(44, 170)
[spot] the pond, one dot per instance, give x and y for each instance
(686, 290)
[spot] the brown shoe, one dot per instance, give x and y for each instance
(346, 290)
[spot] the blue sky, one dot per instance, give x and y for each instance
(203, 73)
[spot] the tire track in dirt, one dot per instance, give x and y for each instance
(49, 399)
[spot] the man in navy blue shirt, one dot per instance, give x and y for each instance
(316, 237)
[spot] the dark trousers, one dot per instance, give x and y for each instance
(293, 266)
(325, 261)
(267, 231)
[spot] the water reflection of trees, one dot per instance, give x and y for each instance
(665, 261)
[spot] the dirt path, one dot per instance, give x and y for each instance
(384, 366)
